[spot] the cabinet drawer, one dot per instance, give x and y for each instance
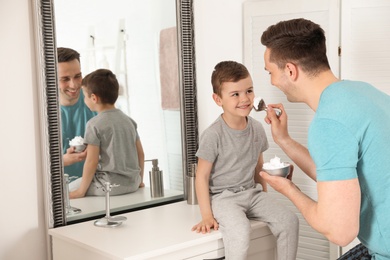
(214, 255)
(260, 248)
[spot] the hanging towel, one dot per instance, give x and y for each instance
(169, 70)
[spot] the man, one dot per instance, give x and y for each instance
(348, 143)
(74, 112)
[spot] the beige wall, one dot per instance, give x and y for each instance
(22, 221)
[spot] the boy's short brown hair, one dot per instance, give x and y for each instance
(227, 71)
(102, 83)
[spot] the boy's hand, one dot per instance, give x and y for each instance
(205, 225)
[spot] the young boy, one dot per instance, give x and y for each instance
(114, 149)
(229, 188)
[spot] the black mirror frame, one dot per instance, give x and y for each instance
(49, 106)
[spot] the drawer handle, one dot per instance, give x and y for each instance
(219, 258)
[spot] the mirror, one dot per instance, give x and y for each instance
(116, 54)
(145, 61)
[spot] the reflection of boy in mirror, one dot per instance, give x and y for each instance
(229, 189)
(74, 113)
(114, 149)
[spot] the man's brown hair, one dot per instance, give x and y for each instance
(298, 41)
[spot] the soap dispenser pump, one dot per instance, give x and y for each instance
(156, 180)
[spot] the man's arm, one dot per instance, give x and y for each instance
(335, 214)
(294, 150)
(72, 157)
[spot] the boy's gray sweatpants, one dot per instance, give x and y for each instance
(233, 209)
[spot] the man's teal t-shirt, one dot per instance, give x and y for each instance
(73, 121)
(349, 137)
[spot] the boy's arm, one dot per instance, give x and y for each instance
(89, 171)
(141, 161)
(258, 178)
(202, 192)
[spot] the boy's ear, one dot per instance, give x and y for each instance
(217, 99)
(94, 98)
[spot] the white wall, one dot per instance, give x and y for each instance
(22, 221)
(218, 37)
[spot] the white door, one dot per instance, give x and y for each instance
(365, 42)
(365, 45)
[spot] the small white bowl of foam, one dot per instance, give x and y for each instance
(78, 143)
(277, 168)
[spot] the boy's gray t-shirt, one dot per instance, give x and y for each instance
(234, 153)
(116, 135)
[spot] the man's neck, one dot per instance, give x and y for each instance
(314, 88)
(66, 102)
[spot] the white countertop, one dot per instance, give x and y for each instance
(145, 234)
(96, 205)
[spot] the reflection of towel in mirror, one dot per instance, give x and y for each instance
(169, 69)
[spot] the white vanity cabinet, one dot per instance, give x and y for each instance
(157, 233)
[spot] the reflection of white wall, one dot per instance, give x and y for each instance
(142, 94)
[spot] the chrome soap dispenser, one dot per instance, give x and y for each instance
(156, 180)
(190, 185)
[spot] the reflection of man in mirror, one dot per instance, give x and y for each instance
(74, 112)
